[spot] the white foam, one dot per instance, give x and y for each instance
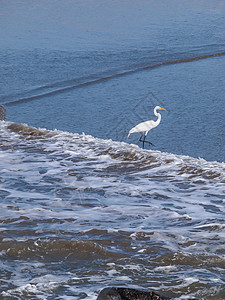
(166, 269)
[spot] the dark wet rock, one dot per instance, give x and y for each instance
(2, 113)
(128, 294)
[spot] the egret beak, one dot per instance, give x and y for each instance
(162, 108)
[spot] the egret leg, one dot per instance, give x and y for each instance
(144, 141)
(140, 140)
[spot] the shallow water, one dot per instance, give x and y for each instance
(80, 213)
(82, 209)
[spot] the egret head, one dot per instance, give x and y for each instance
(159, 107)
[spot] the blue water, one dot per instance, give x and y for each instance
(92, 70)
(79, 43)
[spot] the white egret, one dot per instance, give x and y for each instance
(146, 126)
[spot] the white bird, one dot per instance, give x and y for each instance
(147, 125)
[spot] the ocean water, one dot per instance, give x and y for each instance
(82, 207)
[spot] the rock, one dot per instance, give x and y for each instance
(128, 294)
(2, 113)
